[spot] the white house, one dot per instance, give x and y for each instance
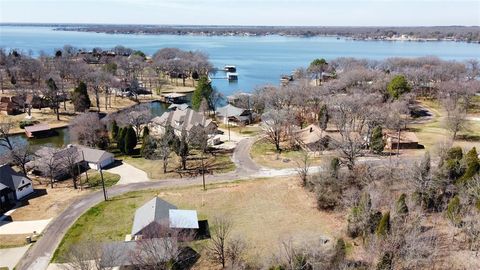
(96, 158)
(14, 184)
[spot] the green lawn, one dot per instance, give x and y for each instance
(95, 180)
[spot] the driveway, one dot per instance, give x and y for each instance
(23, 227)
(9, 257)
(129, 174)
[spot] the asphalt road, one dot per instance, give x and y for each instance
(39, 255)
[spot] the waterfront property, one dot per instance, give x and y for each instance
(13, 186)
(95, 158)
(173, 98)
(230, 113)
(182, 120)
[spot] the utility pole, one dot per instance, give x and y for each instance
(103, 184)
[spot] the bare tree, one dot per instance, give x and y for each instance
(137, 116)
(303, 166)
(70, 159)
(47, 163)
(220, 236)
(87, 129)
(275, 124)
(5, 140)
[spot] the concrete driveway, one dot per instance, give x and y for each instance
(129, 174)
(9, 257)
(23, 227)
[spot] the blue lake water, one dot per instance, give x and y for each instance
(260, 60)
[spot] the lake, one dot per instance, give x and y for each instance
(259, 60)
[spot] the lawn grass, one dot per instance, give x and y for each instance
(95, 180)
(433, 132)
(245, 131)
(216, 162)
(263, 211)
(264, 153)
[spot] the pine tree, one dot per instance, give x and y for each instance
(114, 130)
(384, 225)
(121, 139)
(203, 90)
(398, 86)
(323, 117)
(146, 132)
(376, 143)
(81, 100)
(130, 140)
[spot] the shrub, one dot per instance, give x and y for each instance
(453, 211)
(340, 252)
(386, 262)
(473, 164)
(26, 123)
(121, 139)
(383, 227)
(401, 206)
(334, 166)
(328, 194)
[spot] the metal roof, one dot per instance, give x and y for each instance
(183, 219)
(155, 210)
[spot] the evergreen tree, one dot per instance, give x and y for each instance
(401, 206)
(398, 86)
(384, 225)
(323, 117)
(203, 90)
(473, 165)
(453, 163)
(453, 211)
(114, 130)
(130, 140)
(146, 132)
(80, 98)
(121, 139)
(377, 144)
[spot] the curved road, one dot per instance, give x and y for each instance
(39, 255)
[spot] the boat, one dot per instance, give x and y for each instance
(230, 68)
(232, 76)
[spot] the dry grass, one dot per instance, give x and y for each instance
(219, 162)
(264, 153)
(46, 203)
(263, 212)
(11, 241)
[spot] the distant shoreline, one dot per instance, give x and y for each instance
(468, 34)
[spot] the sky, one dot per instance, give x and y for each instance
(245, 12)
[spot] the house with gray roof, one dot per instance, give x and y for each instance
(158, 211)
(13, 185)
(230, 113)
(182, 120)
(95, 158)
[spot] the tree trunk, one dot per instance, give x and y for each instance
(106, 98)
(97, 99)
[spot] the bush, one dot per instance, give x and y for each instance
(383, 227)
(473, 165)
(121, 139)
(26, 123)
(329, 194)
(386, 262)
(401, 206)
(453, 211)
(114, 129)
